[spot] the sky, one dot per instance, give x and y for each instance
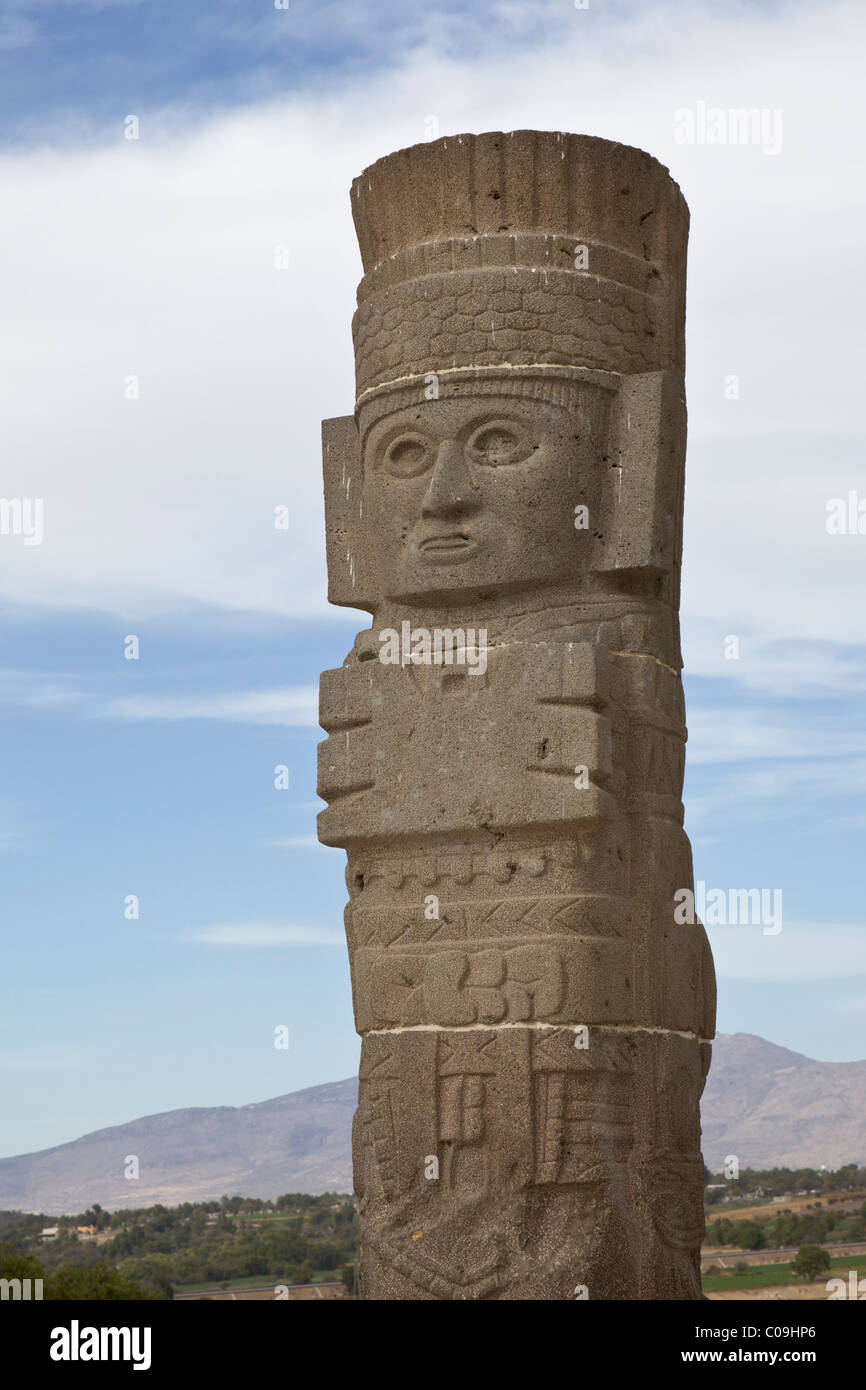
(163, 384)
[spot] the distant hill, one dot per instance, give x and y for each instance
(297, 1143)
(777, 1109)
(769, 1106)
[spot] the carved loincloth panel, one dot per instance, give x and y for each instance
(487, 1224)
(569, 1104)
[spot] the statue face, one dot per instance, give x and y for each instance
(477, 495)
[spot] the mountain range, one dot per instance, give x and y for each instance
(769, 1106)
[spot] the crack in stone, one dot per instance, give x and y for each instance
(649, 655)
(533, 1026)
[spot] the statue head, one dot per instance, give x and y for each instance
(492, 486)
(518, 354)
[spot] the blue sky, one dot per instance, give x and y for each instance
(154, 259)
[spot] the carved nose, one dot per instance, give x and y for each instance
(450, 492)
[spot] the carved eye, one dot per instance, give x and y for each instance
(500, 442)
(408, 455)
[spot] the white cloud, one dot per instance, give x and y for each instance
(857, 822)
(38, 691)
(296, 706)
(736, 733)
(801, 951)
(155, 258)
(786, 790)
(292, 705)
(254, 934)
(760, 565)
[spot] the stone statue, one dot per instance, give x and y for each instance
(505, 750)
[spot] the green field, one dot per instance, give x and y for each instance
(762, 1276)
(258, 1281)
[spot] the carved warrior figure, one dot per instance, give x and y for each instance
(535, 1023)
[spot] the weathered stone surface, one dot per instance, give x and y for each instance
(505, 747)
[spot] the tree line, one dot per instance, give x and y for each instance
(151, 1250)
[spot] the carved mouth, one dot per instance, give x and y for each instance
(456, 545)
